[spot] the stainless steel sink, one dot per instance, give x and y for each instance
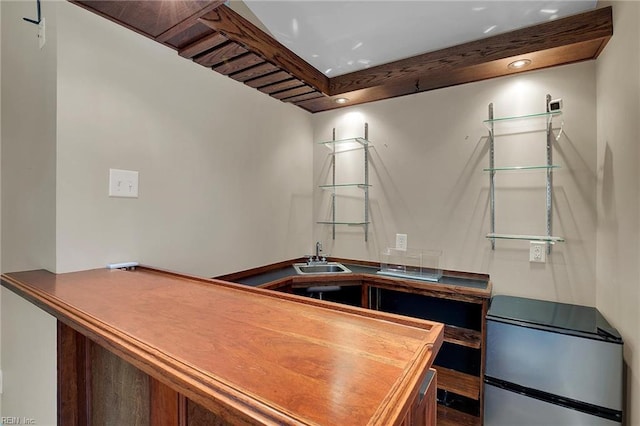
(321, 268)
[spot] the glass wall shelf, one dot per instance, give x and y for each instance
(346, 185)
(521, 117)
(544, 238)
(329, 222)
(337, 146)
(516, 127)
(499, 169)
(361, 141)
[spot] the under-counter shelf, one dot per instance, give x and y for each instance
(458, 383)
(451, 417)
(463, 336)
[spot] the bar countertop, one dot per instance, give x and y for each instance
(250, 355)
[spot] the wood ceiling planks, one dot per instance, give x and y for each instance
(237, 28)
(216, 37)
(202, 45)
(159, 19)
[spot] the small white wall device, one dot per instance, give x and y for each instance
(555, 105)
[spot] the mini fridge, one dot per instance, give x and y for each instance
(551, 363)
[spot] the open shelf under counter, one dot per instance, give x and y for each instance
(457, 382)
(463, 336)
(451, 417)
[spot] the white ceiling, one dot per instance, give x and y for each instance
(339, 37)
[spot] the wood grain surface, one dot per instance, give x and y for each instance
(248, 355)
(450, 288)
(240, 30)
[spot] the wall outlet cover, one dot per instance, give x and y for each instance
(537, 252)
(401, 241)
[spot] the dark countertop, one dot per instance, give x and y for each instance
(288, 271)
(282, 271)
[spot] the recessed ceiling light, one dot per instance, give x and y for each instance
(341, 100)
(520, 63)
(491, 28)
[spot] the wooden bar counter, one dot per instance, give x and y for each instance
(158, 348)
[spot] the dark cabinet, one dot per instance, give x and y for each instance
(460, 362)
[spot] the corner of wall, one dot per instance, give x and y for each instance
(0, 196)
(28, 139)
(618, 190)
(27, 207)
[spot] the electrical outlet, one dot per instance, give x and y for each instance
(123, 183)
(537, 252)
(401, 241)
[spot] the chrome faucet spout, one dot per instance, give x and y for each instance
(316, 260)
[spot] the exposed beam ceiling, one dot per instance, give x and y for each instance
(214, 36)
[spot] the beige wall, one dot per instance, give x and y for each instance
(225, 171)
(0, 188)
(28, 208)
(618, 196)
(426, 171)
(28, 140)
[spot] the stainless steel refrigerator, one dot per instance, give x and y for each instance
(551, 364)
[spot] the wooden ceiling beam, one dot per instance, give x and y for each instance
(158, 20)
(189, 22)
(431, 81)
(247, 54)
(240, 30)
(593, 25)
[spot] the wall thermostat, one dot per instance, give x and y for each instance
(555, 105)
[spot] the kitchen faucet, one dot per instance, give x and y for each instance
(317, 259)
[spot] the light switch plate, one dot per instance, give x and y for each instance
(123, 183)
(537, 252)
